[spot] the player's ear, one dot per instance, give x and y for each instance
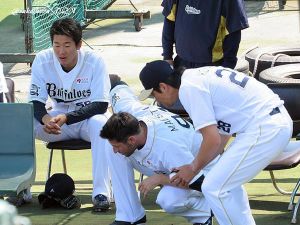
(131, 140)
(163, 87)
(78, 46)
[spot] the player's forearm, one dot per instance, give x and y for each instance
(46, 119)
(224, 141)
(210, 148)
(163, 179)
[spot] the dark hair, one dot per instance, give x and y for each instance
(68, 27)
(174, 79)
(120, 126)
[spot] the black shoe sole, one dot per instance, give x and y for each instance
(101, 209)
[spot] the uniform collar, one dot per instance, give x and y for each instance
(144, 152)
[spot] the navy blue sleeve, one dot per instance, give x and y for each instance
(1, 97)
(168, 5)
(86, 112)
(39, 110)
(72, 117)
(230, 49)
(168, 39)
(235, 14)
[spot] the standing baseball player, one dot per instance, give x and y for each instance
(78, 84)
(205, 33)
(222, 102)
(153, 141)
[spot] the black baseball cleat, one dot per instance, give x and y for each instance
(101, 203)
(208, 222)
(139, 222)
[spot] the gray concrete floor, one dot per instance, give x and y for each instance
(125, 51)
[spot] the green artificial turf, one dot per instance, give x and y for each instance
(268, 206)
(10, 25)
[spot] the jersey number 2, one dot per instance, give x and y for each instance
(236, 78)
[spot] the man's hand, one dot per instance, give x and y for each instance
(52, 124)
(184, 175)
(60, 119)
(52, 128)
(149, 184)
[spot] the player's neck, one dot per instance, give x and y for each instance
(67, 69)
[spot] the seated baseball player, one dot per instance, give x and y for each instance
(153, 141)
(78, 84)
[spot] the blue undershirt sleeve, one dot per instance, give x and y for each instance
(39, 110)
(86, 112)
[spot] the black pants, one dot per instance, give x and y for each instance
(179, 62)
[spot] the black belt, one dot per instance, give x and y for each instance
(274, 111)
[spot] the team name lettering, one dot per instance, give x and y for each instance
(114, 99)
(34, 90)
(179, 120)
(163, 118)
(192, 10)
(182, 122)
(66, 95)
(169, 124)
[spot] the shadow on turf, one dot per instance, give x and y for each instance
(35, 208)
(269, 205)
(77, 182)
(86, 205)
(279, 180)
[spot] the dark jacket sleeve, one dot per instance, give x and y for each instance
(230, 48)
(235, 13)
(86, 112)
(168, 39)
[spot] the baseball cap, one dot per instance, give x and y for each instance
(152, 74)
(58, 187)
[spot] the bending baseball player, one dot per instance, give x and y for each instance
(153, 141)
(222, 102)
(78, 84)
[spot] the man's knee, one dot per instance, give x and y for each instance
(209, 188)
(98, 120)
(171, 202)
(169, 206)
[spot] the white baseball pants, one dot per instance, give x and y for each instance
(88, 130)
(247, 155)
(187, 203)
